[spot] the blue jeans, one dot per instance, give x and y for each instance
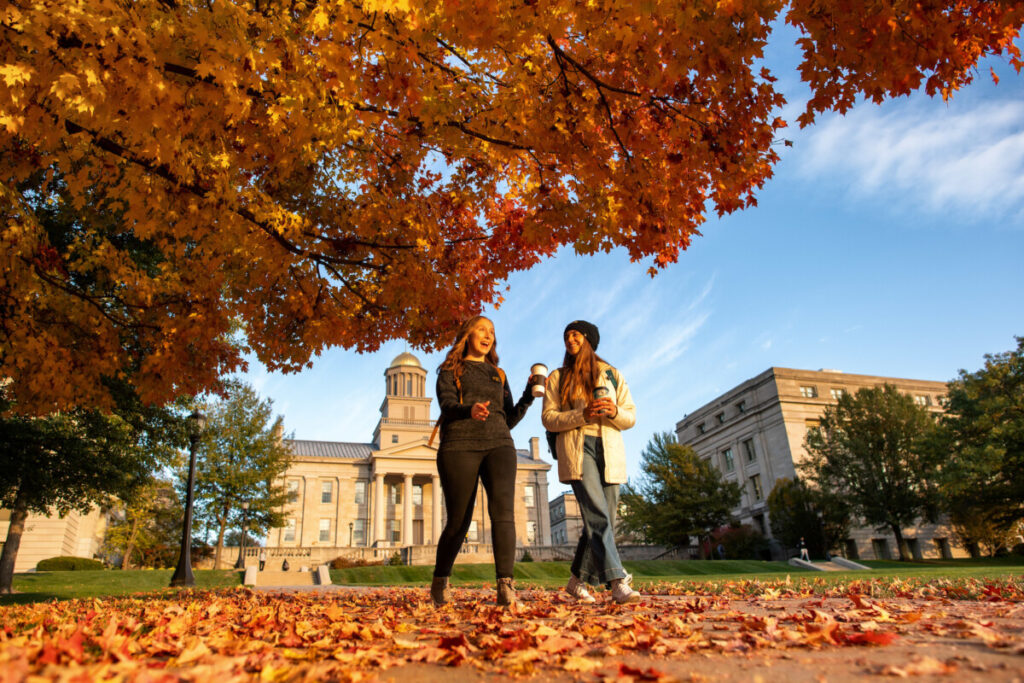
(597, 559)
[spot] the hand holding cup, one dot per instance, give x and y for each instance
(538, 376)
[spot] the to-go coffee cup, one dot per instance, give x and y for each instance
(542, 370)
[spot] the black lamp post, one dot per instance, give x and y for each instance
(350, 534)
(183, 573)
(240, 564)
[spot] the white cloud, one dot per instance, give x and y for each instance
(959, 158)
(664, 346)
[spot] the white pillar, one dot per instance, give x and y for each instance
(435, 496)
(378, 507)
(407, 511)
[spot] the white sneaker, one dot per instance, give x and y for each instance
(622, 593)
(576, 589)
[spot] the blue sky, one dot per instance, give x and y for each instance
(890, 242)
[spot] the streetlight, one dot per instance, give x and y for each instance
(183, 573)
(240, 564)
(350, 534)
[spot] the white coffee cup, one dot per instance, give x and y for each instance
(538, 369)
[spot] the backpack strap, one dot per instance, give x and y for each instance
(611, 378)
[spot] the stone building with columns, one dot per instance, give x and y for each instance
(369, 500)
(754, 435)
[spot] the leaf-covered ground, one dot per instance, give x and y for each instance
(739, 631)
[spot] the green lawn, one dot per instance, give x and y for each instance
(39, 586)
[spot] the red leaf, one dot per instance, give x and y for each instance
(871, 638)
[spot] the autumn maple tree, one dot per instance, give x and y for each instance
(306, 174)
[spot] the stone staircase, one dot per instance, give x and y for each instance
(837, 564)
(319, 576)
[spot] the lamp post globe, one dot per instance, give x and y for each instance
(183, 572)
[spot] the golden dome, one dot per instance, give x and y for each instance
(405, 358)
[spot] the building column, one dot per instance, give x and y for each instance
(378, 508)
(337, 515)
(435, 505)
(543, 511)
(407, 511)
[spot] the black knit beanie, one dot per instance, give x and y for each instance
(588, 330)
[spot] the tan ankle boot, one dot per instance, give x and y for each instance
(506, 593)
(439, 591)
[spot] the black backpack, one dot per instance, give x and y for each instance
(552, 437)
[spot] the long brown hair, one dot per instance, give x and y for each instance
(579, 374)
(454, 360)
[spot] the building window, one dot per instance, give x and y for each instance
(923, 400)
(289, 529)
(809, 391)
(417, 494)
(293, 490)
(721, 418)
(727, 459)
(395, 494)
(360, 497)
(741, 407)
(748, 450)
(394, 438)
(396, 531)
(359, 532)
(531, 532)
(755, 487)
(325, 530)
(701, 428)
(528, 495)
(326, 491)
(837, 393)
(473, 535)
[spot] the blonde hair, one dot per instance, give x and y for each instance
(454, 360)
(580, 374)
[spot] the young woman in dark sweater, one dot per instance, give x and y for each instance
(477, 414)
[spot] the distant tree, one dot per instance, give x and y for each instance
(740, 542)
(983, 434)
(145, 529)
(872, 449)
(796, 510)
(241, 459)
(678, 497)
(75, 460)
(977, 527)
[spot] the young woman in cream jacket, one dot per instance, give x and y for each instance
(587, 404)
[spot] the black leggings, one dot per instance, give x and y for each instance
(460, 470)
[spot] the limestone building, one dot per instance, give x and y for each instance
(371, 499)
(754, 434)
(566, 519)
(46, 536)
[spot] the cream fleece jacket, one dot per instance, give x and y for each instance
(568, 421)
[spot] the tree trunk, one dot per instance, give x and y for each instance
(129, 545)
(222, 525)
(901, 544)
(10, 552)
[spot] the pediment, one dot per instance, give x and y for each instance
(412, 449)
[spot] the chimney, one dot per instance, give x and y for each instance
(535, 447)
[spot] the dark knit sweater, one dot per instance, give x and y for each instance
(480, 382)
